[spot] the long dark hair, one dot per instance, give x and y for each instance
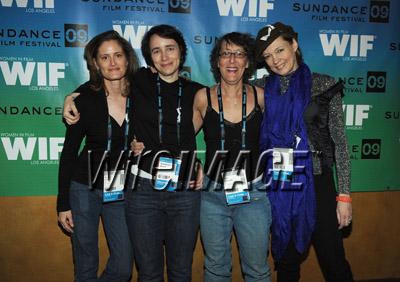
(92, 48)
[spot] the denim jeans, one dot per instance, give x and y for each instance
(87, 207)
(251, 223)
(157, 218)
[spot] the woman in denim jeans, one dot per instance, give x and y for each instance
(103, 108)
(231, 114)
(159, 220)
(163, 219)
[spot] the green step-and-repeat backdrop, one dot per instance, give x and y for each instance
(41, 60)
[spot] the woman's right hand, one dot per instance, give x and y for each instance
(65, 219)
(70, 112)
(137, 147)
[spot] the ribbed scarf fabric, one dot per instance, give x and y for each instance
(293, 210)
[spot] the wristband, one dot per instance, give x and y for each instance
(345, 199)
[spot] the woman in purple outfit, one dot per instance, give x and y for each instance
(303, 124)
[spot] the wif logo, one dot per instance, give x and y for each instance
(132, 35)
(39, 4)
(24, 148)
(31, 6)
(255, 8)
(47, 74)
(355, 115)
(352, 45)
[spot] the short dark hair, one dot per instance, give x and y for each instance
(244, 40)
(90, 54)
(164, 31)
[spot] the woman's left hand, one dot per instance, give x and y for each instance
(198, 183)
(344, 213)
(137, 147)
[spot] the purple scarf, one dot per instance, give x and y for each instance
(293, 208)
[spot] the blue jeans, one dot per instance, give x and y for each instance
(87, 207)
(251, 223)
(158, 218)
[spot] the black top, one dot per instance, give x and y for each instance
(145, 117)
(92, 124)
(316, 117)
(233, 143)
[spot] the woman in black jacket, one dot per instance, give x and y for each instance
(84, 197)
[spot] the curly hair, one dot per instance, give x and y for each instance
(244, 40)
(96, 80)
(164, 31)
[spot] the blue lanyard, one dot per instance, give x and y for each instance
(160, 111)
(221, 117)
(109, 128)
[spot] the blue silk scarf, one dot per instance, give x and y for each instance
(293, 207)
